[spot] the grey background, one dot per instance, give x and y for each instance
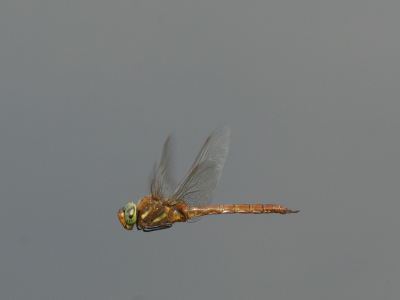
(89, 92)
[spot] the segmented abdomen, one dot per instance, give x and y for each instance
(197, 211)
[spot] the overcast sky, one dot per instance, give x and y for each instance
(90, 90)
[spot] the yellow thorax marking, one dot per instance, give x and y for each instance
(164, 214)
(144, 215)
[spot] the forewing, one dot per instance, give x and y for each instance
(198, 187)
(163, 182)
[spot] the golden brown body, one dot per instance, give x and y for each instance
(190, 200)
(156, 213)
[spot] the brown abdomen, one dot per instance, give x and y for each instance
(197, 211)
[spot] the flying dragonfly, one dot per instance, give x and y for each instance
(190, 200)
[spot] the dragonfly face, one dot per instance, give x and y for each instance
(127, 216)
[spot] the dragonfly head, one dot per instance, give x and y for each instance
(127, 216)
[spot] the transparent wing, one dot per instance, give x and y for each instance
(163, 182)
(198, 187)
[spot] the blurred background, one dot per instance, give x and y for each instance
(89, 91)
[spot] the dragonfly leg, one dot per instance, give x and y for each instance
(156, 227)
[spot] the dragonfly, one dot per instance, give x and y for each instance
(191, 199)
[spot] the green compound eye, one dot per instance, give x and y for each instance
(130, 214)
